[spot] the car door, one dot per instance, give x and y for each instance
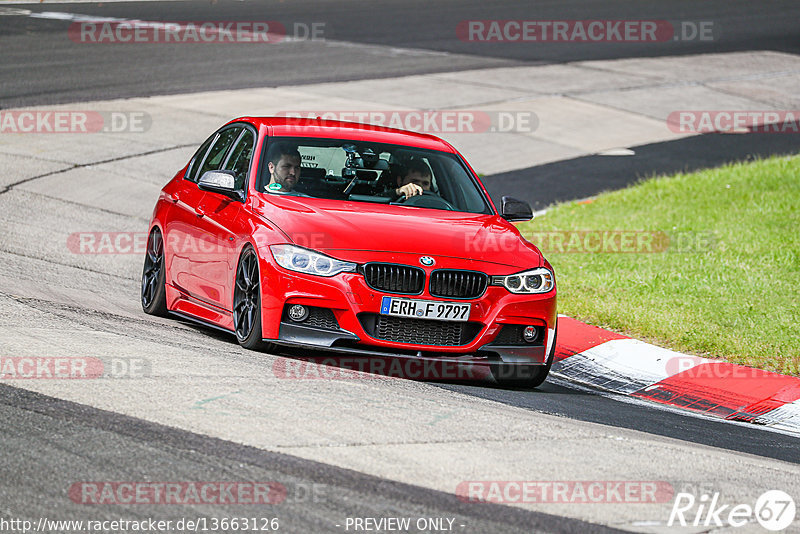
(178, 228)
(221, 215)
(191, 238)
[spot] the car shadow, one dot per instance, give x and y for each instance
(555, 397)
(331, 365)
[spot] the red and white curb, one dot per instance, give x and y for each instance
(602, 359)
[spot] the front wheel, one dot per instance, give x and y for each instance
(527, 376)
(247, 302)
(154, 292)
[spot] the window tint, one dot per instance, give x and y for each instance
(191, 171)
(366, 171)
(240, 157)
(218, 150)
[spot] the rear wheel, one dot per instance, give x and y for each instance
(154, 293)
(247, 302)
(527, 376)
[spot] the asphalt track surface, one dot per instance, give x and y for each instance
(56, 432)
(49, 443)
(544, 185)
(40, 65)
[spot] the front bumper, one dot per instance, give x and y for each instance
(355, 305)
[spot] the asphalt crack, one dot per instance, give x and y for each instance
(11, 186)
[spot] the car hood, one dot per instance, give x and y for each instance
(330, 226)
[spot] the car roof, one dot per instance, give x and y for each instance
(324, 128)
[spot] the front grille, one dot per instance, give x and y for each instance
(419, 331)
(458, 284)
(321, 318)
(511, 334)
(394, 278)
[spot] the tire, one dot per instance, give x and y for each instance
(154, 292)
(526, 376)
(247, 302)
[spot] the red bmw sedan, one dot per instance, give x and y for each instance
(335, 236)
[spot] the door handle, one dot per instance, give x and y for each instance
(199, 212)
(173, 197)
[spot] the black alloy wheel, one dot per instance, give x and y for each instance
(247, 302)
(154, 297)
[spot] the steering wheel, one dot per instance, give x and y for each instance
(428, 199)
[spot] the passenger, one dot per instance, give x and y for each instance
(284, 167)
(416, 179)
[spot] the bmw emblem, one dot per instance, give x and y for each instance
(427, 261)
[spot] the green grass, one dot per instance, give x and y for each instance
(736, 297)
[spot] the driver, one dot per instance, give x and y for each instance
(284, 167)
(415, 180)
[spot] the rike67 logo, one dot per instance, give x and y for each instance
(774, 510)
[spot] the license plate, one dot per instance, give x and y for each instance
(425, 309)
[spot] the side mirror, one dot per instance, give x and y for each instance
(222, 182)
(516, 210)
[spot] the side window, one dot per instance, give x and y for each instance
(191, 171)
(218, 150)
(240, 157)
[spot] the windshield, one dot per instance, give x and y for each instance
(364, 171)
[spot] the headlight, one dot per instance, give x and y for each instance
(307, 261)
(539, 280)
